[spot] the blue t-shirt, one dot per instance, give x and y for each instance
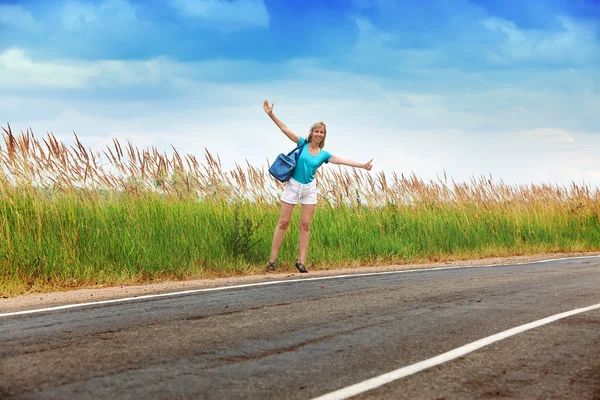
(307, 164)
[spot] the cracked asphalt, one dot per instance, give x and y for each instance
(301, 339)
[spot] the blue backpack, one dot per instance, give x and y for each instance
(284, 165)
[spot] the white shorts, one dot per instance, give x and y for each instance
(296, 192)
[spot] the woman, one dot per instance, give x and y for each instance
(302, 188)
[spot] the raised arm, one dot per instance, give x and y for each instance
(351, 163)
(269, 110)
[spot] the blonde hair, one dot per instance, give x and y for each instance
(312, 128)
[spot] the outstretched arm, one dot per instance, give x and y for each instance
(351, 163)
(269, 110)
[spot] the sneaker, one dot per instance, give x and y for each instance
(271, 265)
(301, 267)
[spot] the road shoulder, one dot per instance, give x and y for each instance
(87, 295)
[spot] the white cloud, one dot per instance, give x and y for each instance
(226, 14)
(16, 16)
(576, 44)
(478, 41)
(76, 15)
(509, 28)
(18, 71)
(555, 135)
(375, 48)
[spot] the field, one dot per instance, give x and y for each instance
(75, 217)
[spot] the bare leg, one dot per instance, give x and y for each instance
(284, 221)
(306, 215)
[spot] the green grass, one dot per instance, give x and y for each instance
(55, 240)
(72, 217)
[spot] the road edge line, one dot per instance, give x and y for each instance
(246, 285)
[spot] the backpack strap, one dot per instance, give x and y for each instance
(300, 146)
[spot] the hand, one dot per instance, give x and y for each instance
(369, 165)
(268, 108)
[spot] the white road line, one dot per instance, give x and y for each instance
(403, 372)
(152, 296)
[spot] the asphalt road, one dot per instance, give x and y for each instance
(303, 339)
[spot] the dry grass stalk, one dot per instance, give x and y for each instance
(49, 163)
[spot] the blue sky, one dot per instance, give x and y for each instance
(506, 88)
